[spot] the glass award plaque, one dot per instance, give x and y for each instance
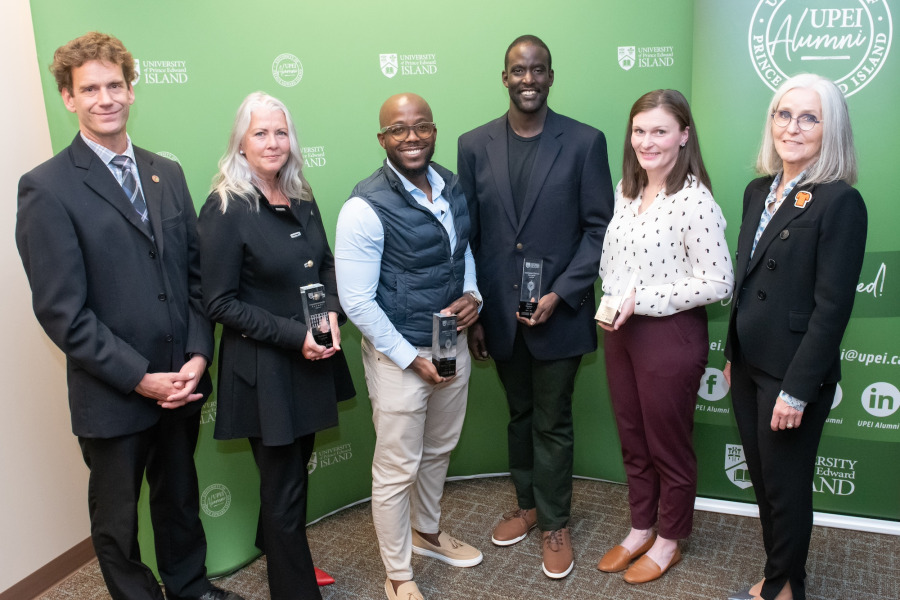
(443, 344)
(530, 292)
(316, 314)
(616, 287)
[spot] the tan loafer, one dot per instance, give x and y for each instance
(618, 558)
(449, 550)
(646, 569)
(407, 591)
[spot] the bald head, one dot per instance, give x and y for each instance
(408, 149)
(403, 104)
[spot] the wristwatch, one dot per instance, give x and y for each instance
(476, 296)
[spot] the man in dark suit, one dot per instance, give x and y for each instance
(538, 188)
(106, 232)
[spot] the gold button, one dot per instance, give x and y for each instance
(519, 246)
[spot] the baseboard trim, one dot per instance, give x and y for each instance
(52, 573)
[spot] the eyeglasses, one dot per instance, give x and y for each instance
(783, 118)
(423, 131)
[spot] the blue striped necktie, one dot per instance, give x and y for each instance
(129, 184)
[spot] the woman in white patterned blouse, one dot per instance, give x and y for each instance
(664, 258)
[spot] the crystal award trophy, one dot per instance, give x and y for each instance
(530, 292)
(616, 287)
(443, 344)
(316, 314)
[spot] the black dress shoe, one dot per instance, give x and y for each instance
(219, 594)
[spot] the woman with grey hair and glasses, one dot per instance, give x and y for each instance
(799, 255)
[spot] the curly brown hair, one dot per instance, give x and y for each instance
(90, 46)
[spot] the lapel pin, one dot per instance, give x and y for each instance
(802, 199)
(155, 178)
(308, 264)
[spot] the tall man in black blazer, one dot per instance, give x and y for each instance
(110, 250)
(538, 187)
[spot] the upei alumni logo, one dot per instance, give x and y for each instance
(844, 40)
(168, 155)
(287, 70)
(215, 500)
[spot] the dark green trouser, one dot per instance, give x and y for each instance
(540, 438)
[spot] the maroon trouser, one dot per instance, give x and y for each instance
(654, 366)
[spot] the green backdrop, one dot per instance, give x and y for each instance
(334, 63)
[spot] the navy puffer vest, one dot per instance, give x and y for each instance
(419, 274)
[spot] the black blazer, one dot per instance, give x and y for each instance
(254, 264)
(564, 218)
(793, 299)
(118, 303)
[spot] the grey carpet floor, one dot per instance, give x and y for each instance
(723, 555)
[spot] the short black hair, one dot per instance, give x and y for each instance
(528, 39)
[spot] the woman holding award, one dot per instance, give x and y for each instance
(261, 241)
(664, 258)
(800, 251)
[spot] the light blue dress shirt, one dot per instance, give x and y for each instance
(358, 248)
(106, 155)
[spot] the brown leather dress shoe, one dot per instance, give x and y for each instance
(619, 557)
(557, 553)
(646, 569)
(514, 526)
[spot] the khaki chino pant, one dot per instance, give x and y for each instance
(417, 424)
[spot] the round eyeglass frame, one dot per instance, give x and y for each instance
(803, 121)
(399, 132)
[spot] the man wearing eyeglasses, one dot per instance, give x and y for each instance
(402, 254)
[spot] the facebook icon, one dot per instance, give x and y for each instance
(713, 386)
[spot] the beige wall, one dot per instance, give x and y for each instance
(43, 481)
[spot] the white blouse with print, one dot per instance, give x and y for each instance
(676, 246)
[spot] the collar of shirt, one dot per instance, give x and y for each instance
(106, 155)
(438, 206)
(771, 204)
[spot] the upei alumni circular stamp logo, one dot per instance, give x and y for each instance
(168, 155)
(215, 500)
(846, 41)
(287, 70)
